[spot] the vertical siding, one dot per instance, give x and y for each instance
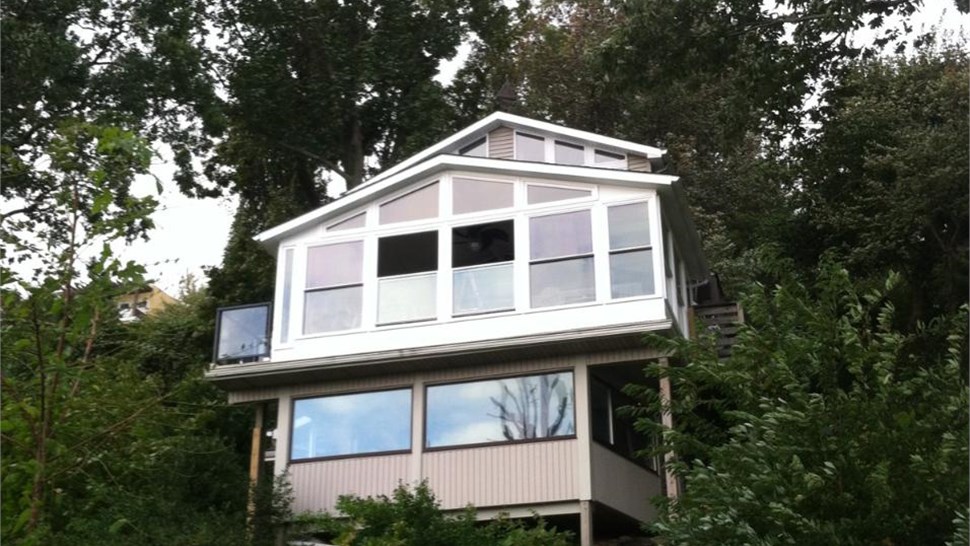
(638, 163)
(504, 475)
(500, 143)
(622, 485)
(316, 485)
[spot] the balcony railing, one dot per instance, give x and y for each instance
(242, 333)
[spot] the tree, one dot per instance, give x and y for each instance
(883, 181)
(412, 517)
(826, 425)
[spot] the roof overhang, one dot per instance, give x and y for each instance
(364, 194)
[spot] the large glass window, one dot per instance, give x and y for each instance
(631, 256)
(500, 410)
(334, 287)
(482, 257)
(419, 204)
(407, 278)
(530, 148)
(242, 333)
(561, 259)
(351, 424)
(470, 195)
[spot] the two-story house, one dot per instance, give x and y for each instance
(468, 317)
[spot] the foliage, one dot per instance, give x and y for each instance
(412, 517)
(883, 182)
(827, 425)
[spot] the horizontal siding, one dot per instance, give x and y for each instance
(500, 143)
(317, 485)
(622, 485)
(538, 472)
(638, 163)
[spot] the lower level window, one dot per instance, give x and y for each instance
(351, 424)
(500, 410)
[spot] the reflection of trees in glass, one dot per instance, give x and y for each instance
(534, 407)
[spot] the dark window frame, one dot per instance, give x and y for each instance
(651, 464)
(217, 336)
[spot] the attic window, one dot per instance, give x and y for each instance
(475, 149)
(469, 195)
(417, 205)
(407, 277)
(354, 222)
(530, 148)
(569, 154)
(545, 194)
(609, 160)
(334, 287)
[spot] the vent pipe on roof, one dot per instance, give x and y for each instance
(506, 97)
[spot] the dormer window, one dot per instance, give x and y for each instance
(475, 149)
(334, 287)
(529, 147)
(570, 154)
(609, 160)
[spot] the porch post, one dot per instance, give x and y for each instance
(667, 420)
(255, 463)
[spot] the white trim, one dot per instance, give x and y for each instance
(522, 168)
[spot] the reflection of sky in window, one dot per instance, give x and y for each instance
(465, 413)
(351, 424)
(242, 332)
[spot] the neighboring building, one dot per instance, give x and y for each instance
(468, 317)
(146, 300)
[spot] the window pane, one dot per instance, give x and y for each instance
(418, 204)
(545, 194)
(350, 223)
(530, 148)
(405, 254)
(559, 235)
(569, 154)
(332, 265)
(287, 295)
(472, 195)
(242, 333)
(404, 299)
(332, 309)
(562, 282)
(629, 226)
(606, 157)
(483, 244)
(482, 289)
(475, 149)
(631, 273)
(501, 410)
(351, 424)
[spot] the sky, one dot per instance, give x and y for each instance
(190, 234)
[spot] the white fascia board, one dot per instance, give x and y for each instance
(458, 162)
(516, 122)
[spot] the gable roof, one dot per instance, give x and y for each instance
(497, 119)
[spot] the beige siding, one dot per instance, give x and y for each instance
(316, 485)
(500, 143)
(622, 485)
(638, 163)
(537, 472)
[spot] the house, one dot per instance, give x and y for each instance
(145, 300)
(468, 317)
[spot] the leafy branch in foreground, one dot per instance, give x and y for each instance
(825, 426)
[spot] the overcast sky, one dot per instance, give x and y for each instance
(191, 234)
